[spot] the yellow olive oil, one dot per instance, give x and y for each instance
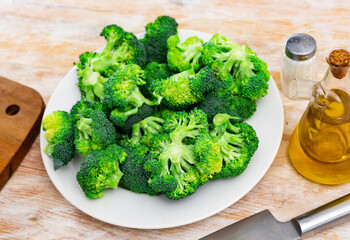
(319, 147)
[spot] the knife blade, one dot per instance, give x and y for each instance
(264, 226)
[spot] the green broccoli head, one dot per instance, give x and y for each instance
(91, 84)
(241, 107)
(94, 68)
(221, 100)
(78, 109)
(256, 86)
(207, 152)
(182, 90)
(203, 82)
(160, 180)
(237, 142)
(59, 133)
(93, 131)
(237, 64)
(155, 40)
(114, 36)
(122, 91)
(176, 91)
(121, 48)
(154, 71)
(186, 55)
(177, 167)
(100, 170)
(137, 50)
(135, 177)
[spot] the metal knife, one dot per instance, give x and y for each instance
(264, 226)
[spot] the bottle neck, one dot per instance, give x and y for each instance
(301, 89)
(336, 79)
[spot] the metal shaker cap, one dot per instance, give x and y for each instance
(300, 47)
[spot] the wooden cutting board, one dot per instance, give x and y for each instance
(21, 110)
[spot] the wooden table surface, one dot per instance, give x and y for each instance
(39, 41)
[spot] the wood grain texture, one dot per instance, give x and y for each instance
(21, 110)
(40, 40)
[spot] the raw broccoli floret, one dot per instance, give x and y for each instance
(78, 109)
(59, 133)
(123, 95)
(178, 169)
(154, 71)
(220, 100)
(256, 86)
(157, 34)
(186, 55)
(184, 89)
(82, 105)
(237, 64)
(176, 91)
(94, 68)
(93, 131)
(121, 48)
(237, 142)
(90, 83)
(100, 170)
(135, 177)
(203, 82)
(122, 90)
(126, 48)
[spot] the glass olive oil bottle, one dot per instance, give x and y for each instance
(319, 147)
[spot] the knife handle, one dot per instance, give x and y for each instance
(324, 215)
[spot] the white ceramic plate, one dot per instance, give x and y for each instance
(128, 209)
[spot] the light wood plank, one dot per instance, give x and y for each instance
(39, 41)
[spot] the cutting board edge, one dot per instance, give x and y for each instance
(23, 149)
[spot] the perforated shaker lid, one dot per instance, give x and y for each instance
(300, 47)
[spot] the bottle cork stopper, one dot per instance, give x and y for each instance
(339, 60)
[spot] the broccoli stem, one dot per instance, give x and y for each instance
(109, 58)
(244, 71)
(130, 112)
(234, 139)
(221, 123)
(227, 150)
(93, 83)
(136, 134)
(89, 94)
(190, 52)
(228, 65)
(151, 124)
(48, 149)
(84, 127)
(148, 125)
(122, 53)
(111, 38)
(137, 99)
(180, 155)
(99, 87)
(113, 180)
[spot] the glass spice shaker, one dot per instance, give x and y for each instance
(299, 60)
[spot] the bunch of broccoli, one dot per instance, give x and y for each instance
(157, 115)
